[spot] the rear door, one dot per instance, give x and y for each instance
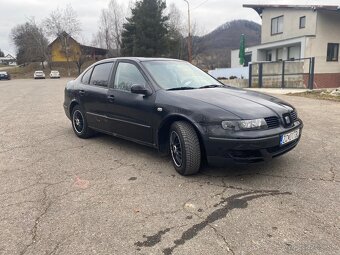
(93, 93)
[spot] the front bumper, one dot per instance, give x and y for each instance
(221, 151)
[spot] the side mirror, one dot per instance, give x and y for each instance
(140, 89)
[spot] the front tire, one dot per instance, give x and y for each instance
(184, 148)
(79, 123)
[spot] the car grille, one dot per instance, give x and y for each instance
(293, 116)
(272, 122)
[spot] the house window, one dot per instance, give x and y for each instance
(333, 52)
(302, 22)
(277, 25)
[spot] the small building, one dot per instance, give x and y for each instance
(66, 43)
(8, 60)
(292, 32)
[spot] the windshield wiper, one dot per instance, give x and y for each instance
(210, 86)
(182, 88)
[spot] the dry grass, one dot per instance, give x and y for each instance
(317, 94)
(26, 72)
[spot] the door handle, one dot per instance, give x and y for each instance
(111, 98)
(82, 92)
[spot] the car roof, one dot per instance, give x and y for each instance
(138, 59)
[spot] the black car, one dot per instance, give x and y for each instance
(177, 108)
(4, 76)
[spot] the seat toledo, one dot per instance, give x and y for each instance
(180, 110)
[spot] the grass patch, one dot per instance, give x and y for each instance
(317, 94)
(26, 72)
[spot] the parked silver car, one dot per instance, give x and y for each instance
(54, 74)
(39, 75)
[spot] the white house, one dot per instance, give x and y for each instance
(299, 31)
(8, 60)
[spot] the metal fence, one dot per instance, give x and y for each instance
(297, 73)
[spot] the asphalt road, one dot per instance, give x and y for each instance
(63, 195)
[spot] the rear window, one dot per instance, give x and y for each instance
(101, 74)
(86, 77)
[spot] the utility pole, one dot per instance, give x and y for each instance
(189, 34)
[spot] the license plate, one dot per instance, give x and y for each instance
(289, 137)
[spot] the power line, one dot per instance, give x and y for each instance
(199, 5)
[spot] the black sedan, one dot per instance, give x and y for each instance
(4, 76)
(175, 107)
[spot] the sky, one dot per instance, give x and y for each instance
(207, 14)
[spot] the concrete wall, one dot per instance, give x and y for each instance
(272, 75)
(240, 83)
(328, 25)
(291, 20)
(240, 72)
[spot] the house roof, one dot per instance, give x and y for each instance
(260, 7)
(88, 48)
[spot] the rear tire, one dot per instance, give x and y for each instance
(184, 148)
(79, 123)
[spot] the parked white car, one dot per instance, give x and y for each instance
(54, 74)
(39, 75)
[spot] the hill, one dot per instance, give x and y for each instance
(214, 49)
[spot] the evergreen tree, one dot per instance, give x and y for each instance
(145, 32)
(2, 54)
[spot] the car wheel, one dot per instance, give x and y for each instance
(184, 148)
(79, 123)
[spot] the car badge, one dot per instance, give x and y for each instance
(159, 109)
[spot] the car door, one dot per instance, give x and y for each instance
(93, 93)
(131, 115)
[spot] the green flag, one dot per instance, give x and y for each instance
(242, 50)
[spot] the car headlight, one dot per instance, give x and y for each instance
(244, 124)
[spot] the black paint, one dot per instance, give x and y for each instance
(152, 240)
(239, 201)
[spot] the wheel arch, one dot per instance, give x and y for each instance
(164, 128)
(72, 105)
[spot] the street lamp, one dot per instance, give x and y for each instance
(189, 34)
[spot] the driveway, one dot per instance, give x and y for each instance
(63, 195)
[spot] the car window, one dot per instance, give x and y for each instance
(127, 74)
(101, 74)
(86, 77)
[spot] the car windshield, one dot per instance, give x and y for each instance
(176, 75)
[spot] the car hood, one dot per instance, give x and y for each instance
(242, 103)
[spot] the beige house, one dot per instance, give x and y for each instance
(291, 32)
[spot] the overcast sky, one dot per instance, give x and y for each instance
(208, 14)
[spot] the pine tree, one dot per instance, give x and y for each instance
(145, 32)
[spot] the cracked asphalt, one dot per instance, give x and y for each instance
(63, 195)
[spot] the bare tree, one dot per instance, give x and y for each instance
(30, 42)
(63, 24)
(105, 31)
(197, 45)
(117, 14)
(175, 33)
(111, 27)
